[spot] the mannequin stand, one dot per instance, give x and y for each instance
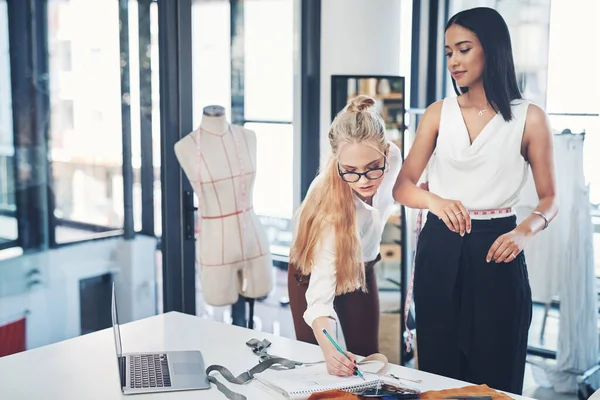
(251, 313)
(238, 312)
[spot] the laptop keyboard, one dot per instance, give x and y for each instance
(149, 371)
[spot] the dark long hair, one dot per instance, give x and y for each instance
(499, 77)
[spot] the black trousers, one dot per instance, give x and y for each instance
(472, 317)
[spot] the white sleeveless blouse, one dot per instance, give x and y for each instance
(487, 174)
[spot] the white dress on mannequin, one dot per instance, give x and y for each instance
(232, 250)
(560, 261)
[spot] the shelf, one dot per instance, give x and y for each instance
(391, 96)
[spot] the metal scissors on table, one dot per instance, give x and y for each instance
(389, 392)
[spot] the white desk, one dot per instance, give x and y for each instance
(86, 367)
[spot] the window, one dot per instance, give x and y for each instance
(573, 100)
(211, 56)
(65, 144)
(268, 96)
(65, 116)
(268, 74)
(8, 222)
(65, 55)
(145, 112)
(273, 186)
(406, 11)
(568, 96)
(155, 100)
(85, 146)
(265, 65)
(135, 103)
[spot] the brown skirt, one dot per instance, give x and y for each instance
(358, 312)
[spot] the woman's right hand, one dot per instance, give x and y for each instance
(339, 365)
(453, 213)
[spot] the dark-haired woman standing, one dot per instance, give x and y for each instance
(471, 289)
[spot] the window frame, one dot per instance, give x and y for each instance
(28, 29)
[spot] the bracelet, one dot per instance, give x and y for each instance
(543, 216)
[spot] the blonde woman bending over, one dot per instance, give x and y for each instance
(339, 226)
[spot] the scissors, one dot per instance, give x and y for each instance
(389, 392)
(385, 395)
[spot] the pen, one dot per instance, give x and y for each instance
(341, 351)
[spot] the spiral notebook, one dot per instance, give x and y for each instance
(299, 383)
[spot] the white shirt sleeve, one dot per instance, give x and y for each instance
(321, 287)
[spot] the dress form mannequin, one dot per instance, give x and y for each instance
(232, 250)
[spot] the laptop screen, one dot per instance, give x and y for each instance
(115, 322)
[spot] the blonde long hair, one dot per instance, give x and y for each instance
(329, 205)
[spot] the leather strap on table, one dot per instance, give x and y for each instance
(259, 347)
(266, 361)
(270, 361)
(244, 377)
(231, 395)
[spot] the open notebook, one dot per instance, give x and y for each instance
(300, 382)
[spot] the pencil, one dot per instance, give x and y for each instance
(341, 351)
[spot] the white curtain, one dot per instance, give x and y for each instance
(561, 263)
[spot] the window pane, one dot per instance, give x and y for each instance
(573, 84)
(269, 59)
(406, 10)
(154, 54)
(136, 130)
(273, 189)
(85, 114)
(529, 25)
(8, 222)
(211, 59)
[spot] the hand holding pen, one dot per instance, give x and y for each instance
(339, 362)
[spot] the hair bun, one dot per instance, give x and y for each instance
(360, 103)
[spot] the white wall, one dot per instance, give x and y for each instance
(53, 304)
(357, 37)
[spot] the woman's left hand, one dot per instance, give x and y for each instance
(507, 247)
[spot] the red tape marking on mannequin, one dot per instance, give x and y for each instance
(419, 225)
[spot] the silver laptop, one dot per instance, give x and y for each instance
(150, 372)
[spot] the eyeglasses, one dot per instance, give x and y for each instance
(370, 174)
